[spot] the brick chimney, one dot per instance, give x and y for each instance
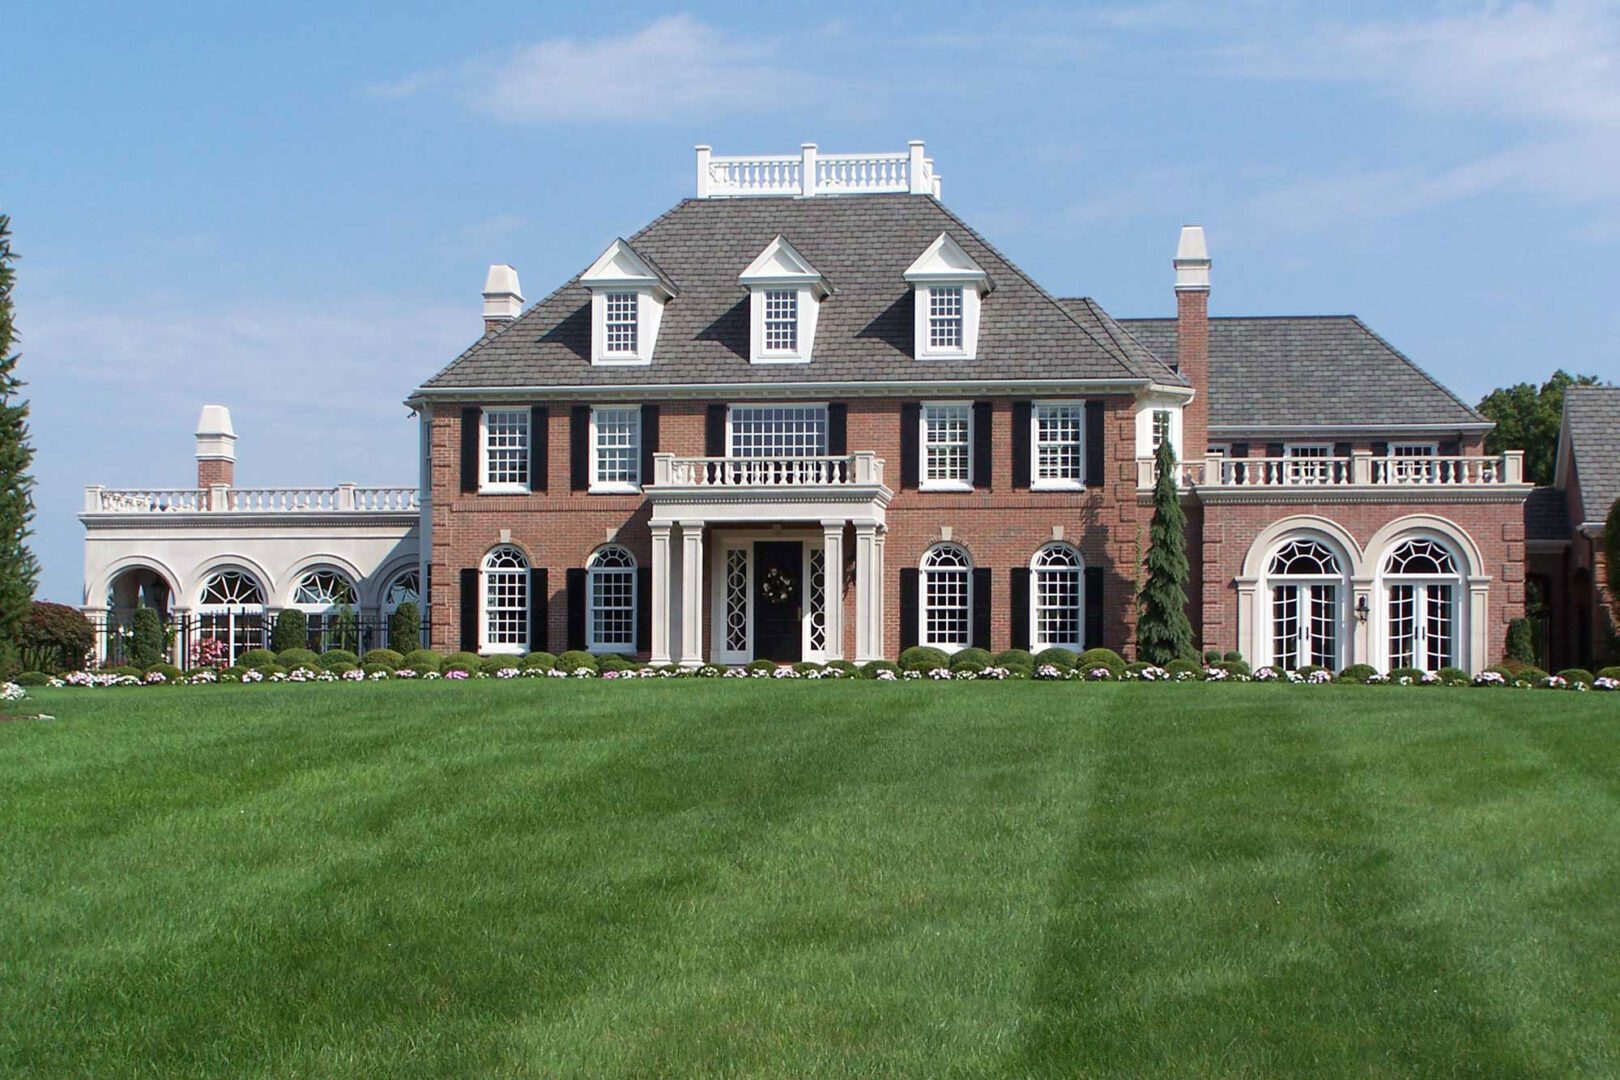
(1192, 337)
(503, 299)
(216, 447)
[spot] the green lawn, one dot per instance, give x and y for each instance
(550, 878)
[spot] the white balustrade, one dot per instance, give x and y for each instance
(345, 497)
(145, 501)
(670, 471)
(810, 173)
(1361, 469)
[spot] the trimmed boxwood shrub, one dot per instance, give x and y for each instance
(1103, 658)
(469, 660)
(421, 661)
(1609, 673)
(405, 628)
(969, 666)
(846, 666)
(760, 665)
(292, 658)
(1357, 673)
(372, 669)
(1015, 658)
(1233, 668)
(923, 658)
(1450, 675)
(1574, 675)
(1397, 674)
(1307, 670)
(1182, 666)
(386, 657)
(1212, 657)
(169, 671)
(539, 661)
(145, 637)
(489, 665)
(338, 656)
(127, 669)
(233, 674)
(339, 667)
(614, 662)
(574, 659)
(1136, 668)
(1235, 657)
(805, 667)
(971, 656)
(871, 668)
(291, 631)
(1062, 659)
(272, 669)
(256, 658)
(31, 678)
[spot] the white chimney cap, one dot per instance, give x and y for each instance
(503, 297)
(215, 421)
(502, 279)
(1192, 259)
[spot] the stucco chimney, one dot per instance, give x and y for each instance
(216, 447)
(1192, 336)
(503, 299)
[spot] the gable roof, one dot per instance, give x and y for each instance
(863, 243)
(1309, 371)
(1592, 425)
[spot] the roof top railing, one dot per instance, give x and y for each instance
(344, 498)
(809, 173)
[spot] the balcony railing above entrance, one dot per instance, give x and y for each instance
(863, 468)
(1359, 470)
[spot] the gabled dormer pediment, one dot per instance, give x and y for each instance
(628, 294)
(785, 295)
(946, 286)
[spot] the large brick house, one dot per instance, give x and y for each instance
(811, 413)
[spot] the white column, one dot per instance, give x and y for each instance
(868, 601)
(1250, 644)
(1364, 644)
(692, 606)
(879, 539)
(833, 572)
(660, 593)
(1479, 593)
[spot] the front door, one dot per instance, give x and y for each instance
(778, 600)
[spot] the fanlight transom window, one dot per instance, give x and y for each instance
(232, 588)
(324, 588)
(1300, 558)
(405, 588)
(1417, 557)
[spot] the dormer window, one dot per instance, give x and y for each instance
(784, 298)
(947, 286)
(628, 294)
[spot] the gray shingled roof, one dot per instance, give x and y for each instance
(1546, 515)
(1309, 370)
(863, 245)
(1592, 414)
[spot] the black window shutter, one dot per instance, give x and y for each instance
(1451, 448)
(1094, 607)
(981, 607)
(539, 609)
(469, 449)
(649, 441)
(539, 447)
(714, 431)
(1342, 449)
(1380, 449)
(910, 445)
(983, 430)
(644, 609)
(1240, 449)
(1018, 607)
(1274, 449)
(1096, 455)
(576, 608)
(1022, 411)
(910, 580)
(579, 448)
(469, 610)
(838, 429)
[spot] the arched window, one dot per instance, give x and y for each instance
(405, 588)
(328, 598)
(1056, 579)
(612, 594)
(231, 610)
(947, 598)
(1307, 587)
(505, 618)
(1421, 587)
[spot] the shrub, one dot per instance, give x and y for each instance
(1019, 671)
(1449, 675)
(272, 669)
(1212, 656)
(145, 637)
(614, 662)
(923, 658)
(1573, 675)
(341, 667)
(805, 667)
(338, 656)
(31, 678)
(1101, 658)
(233, 674)
(1235, 657)
(386, 657)
(1177, 668)
(343, 630)
(55, 638)
(1515, 674)
(574, 659)
(1397, 674)
(846, 666)
(1233, 668)
(1609, 673)
(1357, 673)
(127, 669)
(291, 631)
(1531, 674)
(256, 658)
(871, 668)
(405, 628)
(1308, 670)
(538, 661)
(971, 656)
(1137, 668)
(296, 658)
(420, 661)
(760, 665)
(372, 669)
(1062, 659)
(169, 671)
(1521, 641)
(1015, 658)
(489, 665)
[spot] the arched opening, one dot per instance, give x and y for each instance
(1306, 594)
(404, 587)
(947, 598)
(611, 620)
(1422, 593)
(230, 610)
(504, 620)
(330, 601)
(1056, 598)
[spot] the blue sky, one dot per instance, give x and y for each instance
(290, 211)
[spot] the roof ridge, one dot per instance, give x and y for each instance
(1109, 324)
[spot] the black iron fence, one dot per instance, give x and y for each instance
(218, 638)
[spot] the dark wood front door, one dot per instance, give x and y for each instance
(778, 600)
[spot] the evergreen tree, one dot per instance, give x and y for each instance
(1163, 632)
(19, 572)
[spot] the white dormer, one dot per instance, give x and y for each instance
(946, 287)
(784, 297)
(627, 302)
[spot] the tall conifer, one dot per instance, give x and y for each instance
(1163, 632)
(19, 572)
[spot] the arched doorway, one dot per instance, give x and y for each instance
(1422, 592)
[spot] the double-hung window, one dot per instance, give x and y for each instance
(1161, 427)
(619, 324)
(1058, 445)
(945, 317)
(947, 433)
(1413, 462)
(777, 431)
(612, 621)
(506, 601)
(616, 448)
(506, 451)
(782, 320)
(1308, 463)
(947, 598)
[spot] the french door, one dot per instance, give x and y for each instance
(1305, 626)
(1422, 626)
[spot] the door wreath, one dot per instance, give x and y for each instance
(778, 587)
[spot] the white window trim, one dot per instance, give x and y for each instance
(1036, 483)
(732, 407)
(485, 647)
(1293, 449)
(808, 308)
(591, 572)
(926, 484)
(943, 264)
(722, 541)
(616, 487)
(649, 312)
(1037, 643)
(507, 488)
(923, 570)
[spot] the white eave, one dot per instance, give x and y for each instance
(944, 262)
(782, 264)
(621, 267)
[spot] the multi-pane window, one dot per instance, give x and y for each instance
(616, 447)
(1305, 587)
(506, 449)
(1308, 463)
(619, 324)
(782, 320)
(1413, 462)
(1422, 606)
(778, 431)
(322, 589)
(946, 435)
(947, 598)
(1056, 576)
(612, 618)
(1059, 457)
(1161, 427)
(231, 610)
(945, 317)
(506, 600)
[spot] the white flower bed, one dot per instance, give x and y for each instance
(12, 692)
